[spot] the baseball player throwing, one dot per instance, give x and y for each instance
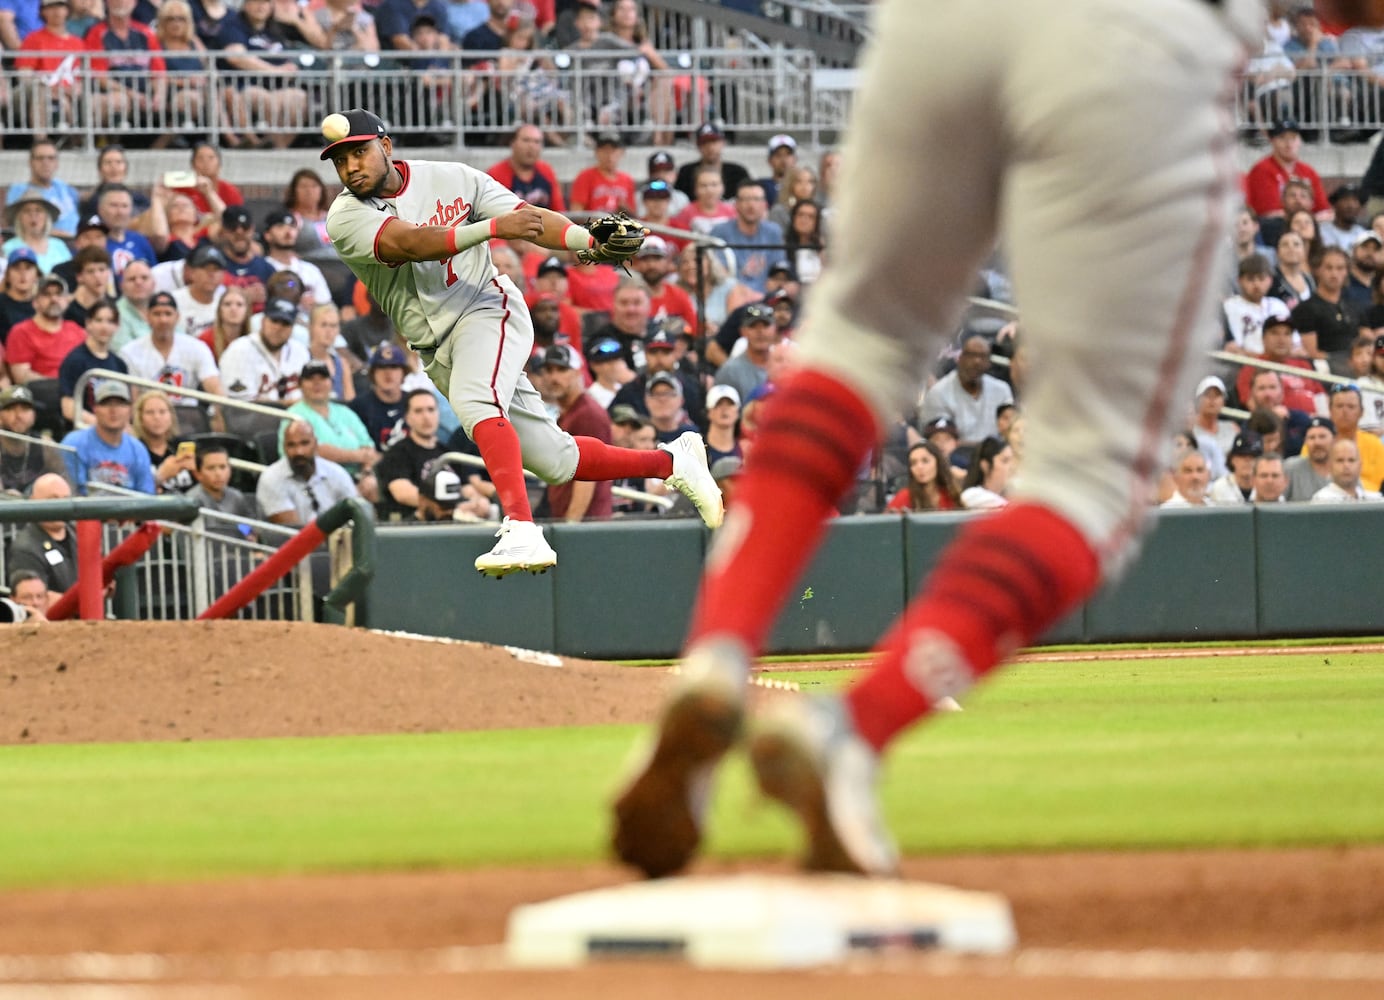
(1098, 133)
(415, 232)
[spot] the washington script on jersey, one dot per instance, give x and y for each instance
(450, 215)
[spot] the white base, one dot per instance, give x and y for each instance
(757, 922)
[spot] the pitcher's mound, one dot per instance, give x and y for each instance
(68, 682)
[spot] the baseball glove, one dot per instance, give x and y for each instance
(618, 238)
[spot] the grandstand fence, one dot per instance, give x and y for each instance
(455, 98)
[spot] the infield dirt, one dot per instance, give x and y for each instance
(122, 681)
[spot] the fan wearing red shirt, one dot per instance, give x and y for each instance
(53, 77)
(35, 347)
(654, 263)
(127, 65)
(212, 194)
(707, 210)
(526, 174)
(930, 485)
(1265, 180)
(604, 187)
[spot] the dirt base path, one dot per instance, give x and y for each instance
(1299, 923)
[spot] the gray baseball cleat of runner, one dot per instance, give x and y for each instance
(806, 754)
(692, 478)
(521, 547)
(660, 812)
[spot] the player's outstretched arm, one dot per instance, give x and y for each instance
(401, 242)
(561, 233)
(612, 239)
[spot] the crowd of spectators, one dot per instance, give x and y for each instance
(148, 64)
(181, 283)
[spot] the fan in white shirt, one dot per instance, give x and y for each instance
(173, 358)
(263, 367)
(204, 273)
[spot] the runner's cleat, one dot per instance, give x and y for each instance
(521, 547)
(692, 478)
(660, 813)
(807, 756)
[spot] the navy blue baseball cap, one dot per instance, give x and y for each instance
(281, 311)
(22, 255)
(607, 349)
(388, 355)
(346, 127)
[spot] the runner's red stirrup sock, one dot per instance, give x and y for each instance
(499, 447)
(598, 461)
(808, 449)
(1006, 578)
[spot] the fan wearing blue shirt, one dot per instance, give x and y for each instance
(107, 452)
(756, 241)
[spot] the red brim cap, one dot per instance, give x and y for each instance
(327, 153)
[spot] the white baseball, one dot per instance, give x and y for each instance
(336, 127)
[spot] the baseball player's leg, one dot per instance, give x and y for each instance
(895, 290)
(487, 354)
(556, 456)
(480, 364)
(1117, 247)
(911, 229)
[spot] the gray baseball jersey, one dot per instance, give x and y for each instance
(425, 300)
(467, 322)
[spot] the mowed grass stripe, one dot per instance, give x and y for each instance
(1273, 751)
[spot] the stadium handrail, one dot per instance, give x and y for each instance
(79, 391)
(623, 492)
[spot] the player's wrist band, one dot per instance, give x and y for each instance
(460, 238)
(575, 237)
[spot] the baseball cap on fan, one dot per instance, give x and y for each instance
(387, 355)
(782, 141)
(1210, 382)
(562, 356)
(442, 485)
(653, 246)
(552, 264)
(281, 311)
(346, 127)
(1247, 443)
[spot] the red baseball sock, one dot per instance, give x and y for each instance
(599, 461)
(499, 447)
(1006, 578)
(808, 448)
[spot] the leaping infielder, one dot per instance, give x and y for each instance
(415, 232)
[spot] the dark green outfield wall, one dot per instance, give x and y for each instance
(625, 590)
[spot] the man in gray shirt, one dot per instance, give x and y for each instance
(299, 486)
(1309, 472)
(968, 396)
(748, 370)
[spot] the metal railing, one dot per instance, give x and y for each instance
(752, 86)
(452, 98)
(193, 565)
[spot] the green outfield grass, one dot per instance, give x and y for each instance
(1124, 754)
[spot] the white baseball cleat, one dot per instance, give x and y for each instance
(660, 812)
(692, 478)
(521, 547)
(807, 755)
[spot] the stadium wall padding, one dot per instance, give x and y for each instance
(625, 589)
